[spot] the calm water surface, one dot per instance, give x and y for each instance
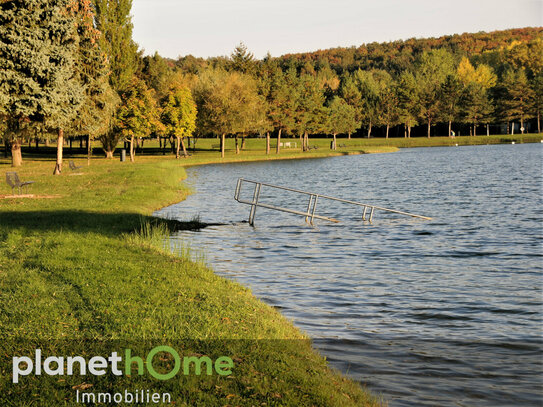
(445, 312)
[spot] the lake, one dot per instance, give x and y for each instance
(446, 312)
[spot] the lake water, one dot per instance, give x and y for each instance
(446, 312)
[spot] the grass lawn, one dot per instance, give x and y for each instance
(79, 275)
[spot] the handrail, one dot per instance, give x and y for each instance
(311, 205)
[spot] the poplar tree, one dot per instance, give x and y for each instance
(113, 20)
(38, 79)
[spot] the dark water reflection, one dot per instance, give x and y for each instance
(445, 312)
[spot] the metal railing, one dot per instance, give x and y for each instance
(311, 205)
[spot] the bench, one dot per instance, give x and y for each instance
(14, 182)
(215, 146)
(72, 165)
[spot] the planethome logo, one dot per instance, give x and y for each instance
(119, 365)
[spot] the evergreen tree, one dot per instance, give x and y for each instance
(352, 96)
(96, 112)
(242, 60)
(476, 105)
(516, 98)
(38, 81)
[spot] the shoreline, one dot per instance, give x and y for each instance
(92, 253)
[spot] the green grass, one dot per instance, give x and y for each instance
(86, 271)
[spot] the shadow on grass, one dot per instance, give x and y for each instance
(107, 224)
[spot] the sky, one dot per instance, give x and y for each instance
(205, 28)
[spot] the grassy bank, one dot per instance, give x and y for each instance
(79, 275)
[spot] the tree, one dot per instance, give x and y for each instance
(352, 96)
(38, 81)
(341, 118)
(310, 112)
(450, 96)
(225, 101)
(179, 116)
(278, 89)
(387, 100)
(516, 98)
(369, 89)
(408, 104)
(95, 114)
(431, 71)
(113, 20)
(137, 113)
(242, 60)
(477, 106)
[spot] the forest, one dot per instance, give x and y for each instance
(70, 69)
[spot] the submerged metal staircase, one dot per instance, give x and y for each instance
(309, 214)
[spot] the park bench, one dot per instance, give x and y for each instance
(342, 145)
(72, 165)
(215, 146)
(14, 182)
(312, 147)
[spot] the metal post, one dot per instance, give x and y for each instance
(252, 213)
(364, 214)
(314, 207)
(371, 213)
(309, 207)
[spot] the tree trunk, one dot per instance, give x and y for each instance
(429, 126)
(37, 142)
(89, 149)
(450, 128)
(512, 128)
(488, 129)
(334, 142)
(160, 142)
(388, 126)
(539, 121)
(242, 142)
(404, 130)
(369, 130)
(278, 147)
(183, 146)
(132, 149)
(408, 131)
(7, 147)
(177, 147)
(109, 153)
(60, 143)
(223, 140)
(47, 141)
(521, 125)
(81, 142)
(268, 143)
(237, 144)
(474, 130)
(16, 156)
(348, 136)
(302, 142)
